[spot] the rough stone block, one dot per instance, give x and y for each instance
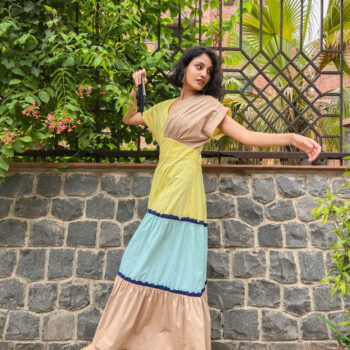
(11, 294)
(249, 263)
(322, 235)
(264, 190)
(90, 264)
(80, 185)
(225, 294)
(290, 187)
(214, 234)
(142, 206)
(74, 295)
(101, 293)
(252, 346)
(129, 231)
(67, 208)
(49, 184)
(223, 346)
(126, 208)
(270, 235)
(5, 205)
(30, 346)
(31, 207)
(7, 262)
(87, 323)
(42, 297)
(218, 264)
(12, 233)
(215, 317)
(82, 233)
(336, 318)
(17, 185)
(297, 300)
(210, 183)
(263, 293)
(280, 210)
(234, 185)
(311, 266)
(110, 234)
(58, 325)
(250, 211)
(282, 266)
(6, 345)
(312, 327)
(31, 264)
(318, 187)
(46, 232)
(323, 300)
(278, 326)
(100, 207)
(241, 324)
(220, 205)
(304, 207)
(114, 257)
(141, 186)
(323, 346)
(22, 325)
(67, 346)
(296, 235)
(118, 186)
(60, 263)
(338, 184)
(237, 234)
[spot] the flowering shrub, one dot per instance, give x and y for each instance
(66, 70)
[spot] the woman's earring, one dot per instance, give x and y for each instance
(183, 79)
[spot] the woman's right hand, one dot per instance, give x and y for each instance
(137, 76)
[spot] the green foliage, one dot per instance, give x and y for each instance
(335, 208)
(66, 70)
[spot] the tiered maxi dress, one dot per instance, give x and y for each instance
(159, 299)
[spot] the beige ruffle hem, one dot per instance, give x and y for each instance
(139, 317)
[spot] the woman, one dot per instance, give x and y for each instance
(159, 301)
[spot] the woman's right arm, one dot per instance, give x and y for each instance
(134, 117)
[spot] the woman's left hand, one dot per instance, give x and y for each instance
(310, 146)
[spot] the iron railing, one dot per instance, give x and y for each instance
(301, 112)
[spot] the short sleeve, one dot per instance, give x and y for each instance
(216, 114)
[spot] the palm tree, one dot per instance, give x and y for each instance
(285, 66)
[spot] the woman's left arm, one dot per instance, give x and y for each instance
(251, 138)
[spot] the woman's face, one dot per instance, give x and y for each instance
(197, 73)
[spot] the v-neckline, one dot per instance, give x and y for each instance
(172, 101)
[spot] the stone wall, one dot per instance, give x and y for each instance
(62, 236)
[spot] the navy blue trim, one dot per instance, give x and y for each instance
(162, 287)
(174, 217)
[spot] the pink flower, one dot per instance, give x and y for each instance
(68, 119)
(36, 112)
(27, 110)
(22, 132)
(23, 112)
(81, 88)
(5, 129)
(78, 122)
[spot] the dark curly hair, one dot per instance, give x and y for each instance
(214, 87)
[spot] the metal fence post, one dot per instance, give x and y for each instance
(346, 145)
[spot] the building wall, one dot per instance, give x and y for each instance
(62, 236)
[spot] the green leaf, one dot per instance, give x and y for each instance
(4, 164)
(44, 96)
(97, 61)
(72, 107)
(29, 99)
(18, 147)
(26, 139)
(15, 82)
(69, 62)
(18, 71)
(48, 8)
(7, 151)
